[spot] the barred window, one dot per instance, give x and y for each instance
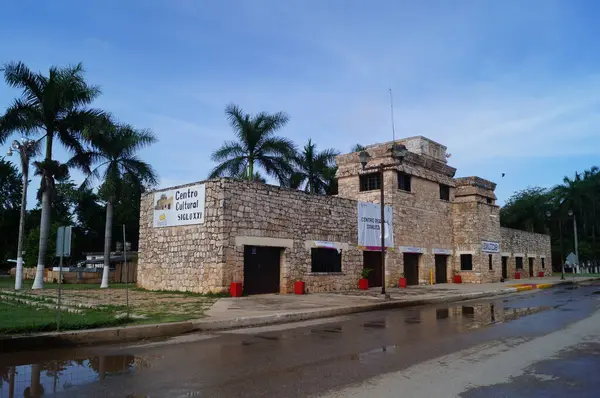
(370, 182)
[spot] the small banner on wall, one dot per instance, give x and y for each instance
(369, 226)
(326, 245)
(490, 247)
(181, 206)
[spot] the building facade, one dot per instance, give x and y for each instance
(269, 237)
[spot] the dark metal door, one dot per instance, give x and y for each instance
(261, 269)
(373, 260)
(441, 275)
(531, 267)
(411, 268)
(505, 267)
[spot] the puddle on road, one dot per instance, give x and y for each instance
(59, 376)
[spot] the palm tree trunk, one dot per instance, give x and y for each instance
(19, 273)
(11, 385)
(250, 169)
(36, 372)
(38, 283)
(107, 242)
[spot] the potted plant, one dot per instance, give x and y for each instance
(299, 287)
(402, 282)
(363, 282)
(456, 277)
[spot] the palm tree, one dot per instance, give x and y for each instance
(313, 169)
(256, 145)
(113, 151)
(56, 107)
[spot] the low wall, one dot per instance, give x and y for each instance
(120, 274)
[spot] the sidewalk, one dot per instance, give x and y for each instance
(231, 313)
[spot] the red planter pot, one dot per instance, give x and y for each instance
(541, 274)
(457, 279)
(299, 287)
(517, 275)
(402, 282)
(363, 284)
(236, 289)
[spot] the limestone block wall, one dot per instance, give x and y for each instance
(421, 219)
(184, 258)
(292, 218)
(527, 245)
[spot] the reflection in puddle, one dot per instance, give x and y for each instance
(53, 377)
(442, 313)
(379, 324)
(327, 330)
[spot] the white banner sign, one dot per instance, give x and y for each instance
(490, 247)
(181, 206)
(369, 226)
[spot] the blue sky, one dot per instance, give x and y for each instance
(509, 87)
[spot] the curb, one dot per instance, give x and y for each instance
(136, 333)
(92, 336)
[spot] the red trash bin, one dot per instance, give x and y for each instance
(236, 289)
(517, 275)
(299, 287)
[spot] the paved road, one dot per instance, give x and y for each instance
(533, 345)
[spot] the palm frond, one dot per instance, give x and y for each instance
(140, 169)
(279, 146)
(18, 75)
(20, 117)
(229, 168)
(229, 149)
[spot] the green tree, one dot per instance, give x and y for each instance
(10, 201)
(55, 107)
(579, 196)
(313, 169)
(256, 145)
(526, 210)
(114, 151)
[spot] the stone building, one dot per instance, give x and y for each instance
(268, 237)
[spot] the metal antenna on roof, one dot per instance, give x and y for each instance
(392, 112)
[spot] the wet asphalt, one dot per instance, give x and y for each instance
(308, 359)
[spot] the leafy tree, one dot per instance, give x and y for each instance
(581, 195)
(358, 148)
(256, 145)
(10, 201)
(313, 169)
(55, 107)
(114, 151)
(526, 210)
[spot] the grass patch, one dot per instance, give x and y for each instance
(21, 318)
(9, 283)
